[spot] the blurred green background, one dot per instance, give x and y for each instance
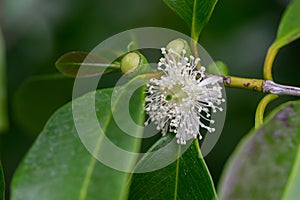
(37, 32)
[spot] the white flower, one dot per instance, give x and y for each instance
(181, 100)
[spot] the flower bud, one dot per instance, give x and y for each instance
(130, 62)
(218, 68)
(134, 63)
(178, 45)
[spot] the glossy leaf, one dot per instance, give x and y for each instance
(3, 106)
(266, 165)
(289, 28)
(2, 183)
(186, 178)
(59, 167)
(89, 64)
(288, 31)
(39, 96)
(195, 13)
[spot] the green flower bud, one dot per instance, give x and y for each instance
(178, 45)
(134, 63)
(218, 68)
(130, 62)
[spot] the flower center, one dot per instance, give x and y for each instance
(176, 93)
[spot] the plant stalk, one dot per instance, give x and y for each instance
(194, 45)
(259, 85)
(260, 110)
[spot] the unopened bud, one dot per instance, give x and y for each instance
(130, 62)
(218, 68)
(134, 63)
(178, 45)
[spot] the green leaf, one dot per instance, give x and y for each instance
(3, 106)
(186, 178)
(39, 96)
(266, 164)
(289, 28)
(59, 167)
(288, 31)
(195, 13)
(2, 183)
(89, 64)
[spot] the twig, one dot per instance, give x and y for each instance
(259, 85)
(274, 88)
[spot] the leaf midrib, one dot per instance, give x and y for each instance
(198, 149)
(196, 144)
(91, 167)
(100, 65)
(177, 173)
(193, 34)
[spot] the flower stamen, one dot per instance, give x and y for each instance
(182, 99)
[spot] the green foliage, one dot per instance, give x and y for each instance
(2, 183)
(3, 111)
(186, 178)
(58, 166)
(288, 31)
(195, 13)
(266, 165)
(289, 28)
(89, 64)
